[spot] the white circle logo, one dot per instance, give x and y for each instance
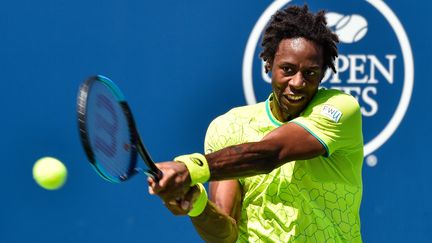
(353, 29)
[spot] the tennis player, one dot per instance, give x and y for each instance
(284, 170)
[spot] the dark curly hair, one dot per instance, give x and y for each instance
(295, 22)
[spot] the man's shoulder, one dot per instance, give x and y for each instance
(334, 105)
(234, 126)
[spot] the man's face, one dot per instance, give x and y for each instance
(297, 70)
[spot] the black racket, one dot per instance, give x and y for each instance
(108, 132)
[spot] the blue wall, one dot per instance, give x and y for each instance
(180, 65)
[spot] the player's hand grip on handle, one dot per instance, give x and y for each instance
(193, 202)
(156, 176)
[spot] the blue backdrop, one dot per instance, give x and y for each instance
(180, 64)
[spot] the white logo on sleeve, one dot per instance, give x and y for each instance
(331, 112)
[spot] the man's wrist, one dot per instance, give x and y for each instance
(200, 203)
(197, 166)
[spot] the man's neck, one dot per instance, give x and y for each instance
(277, 113)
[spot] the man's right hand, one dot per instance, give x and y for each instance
(181, 206)
(174, 184)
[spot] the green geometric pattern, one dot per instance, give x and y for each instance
(293, 203)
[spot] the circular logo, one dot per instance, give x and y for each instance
(375, 63)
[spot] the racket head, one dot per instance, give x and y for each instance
(108, 132)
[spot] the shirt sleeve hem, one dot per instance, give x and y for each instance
(327, 153)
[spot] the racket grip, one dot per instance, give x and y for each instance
(158, 175)
(155, 175)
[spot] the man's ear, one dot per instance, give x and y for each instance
(267, 66)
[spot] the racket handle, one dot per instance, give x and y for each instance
(156, 176)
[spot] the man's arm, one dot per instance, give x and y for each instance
(286, 143)
(218, 222)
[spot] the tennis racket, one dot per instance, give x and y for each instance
(108, 132)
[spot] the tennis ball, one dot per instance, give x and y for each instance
(50, 173)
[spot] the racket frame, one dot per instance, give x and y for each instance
(137, 145)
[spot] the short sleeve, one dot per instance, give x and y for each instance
(334, 119)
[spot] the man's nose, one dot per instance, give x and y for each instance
(297, 81)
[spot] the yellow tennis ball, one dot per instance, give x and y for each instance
(50, 173)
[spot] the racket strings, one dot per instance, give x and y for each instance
(109, 132)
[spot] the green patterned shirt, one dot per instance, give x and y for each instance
(315, 200)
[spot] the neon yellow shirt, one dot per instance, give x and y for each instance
(313, 200)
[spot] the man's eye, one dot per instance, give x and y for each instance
(288, 70)
(311, 73)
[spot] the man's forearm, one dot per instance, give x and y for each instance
(286, 143)
(214, 226)
(243, 160)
